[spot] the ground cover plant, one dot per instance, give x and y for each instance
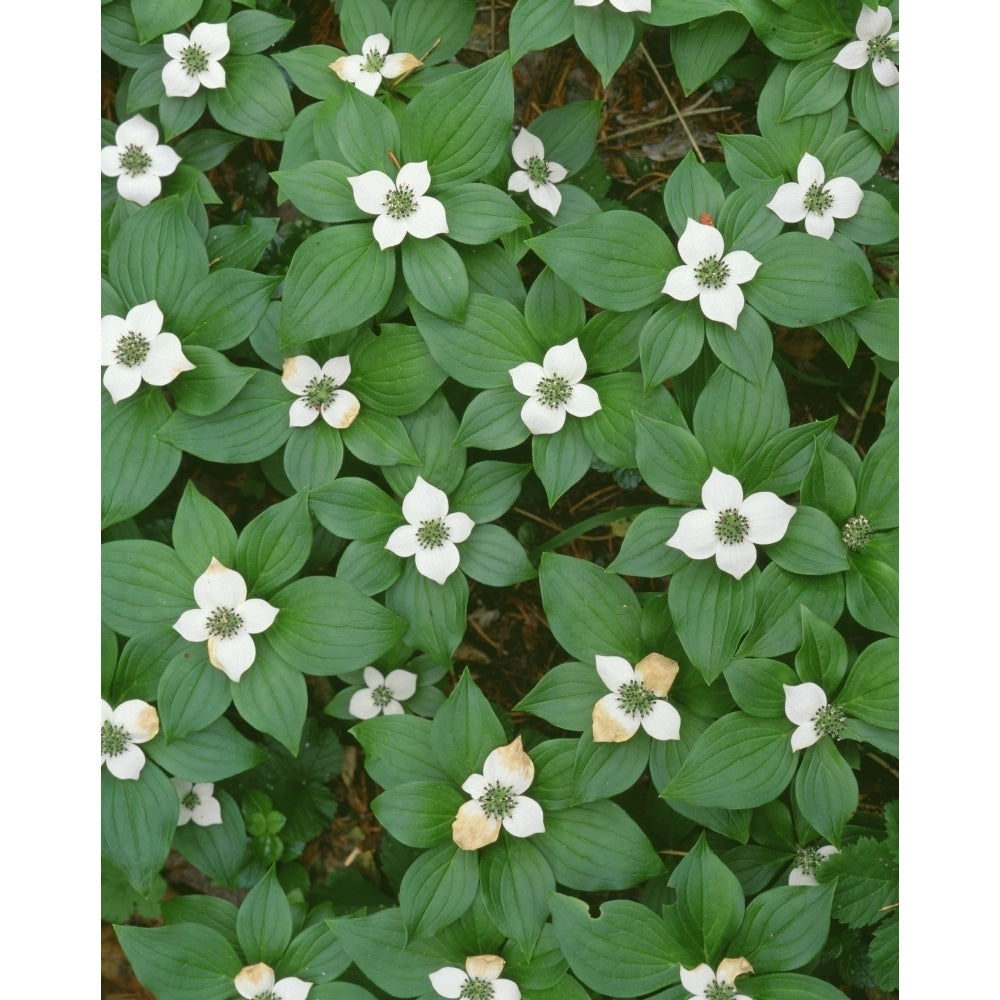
(499, 499)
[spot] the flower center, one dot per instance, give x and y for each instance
(190, 801)
(817, 199)
(400, 203)
(857, 532)
(538, 170)
(635, 699)
(712, 273)
(194, 60)
(381, 696)
(267, 995)
(878, 48)
(498, 803)
(224, 623)
(808, 859)
(134, 160)
(320, 392)
(477, 989)
(432, 534)
(553, 391)
(131, 349)
(114, 739)
(830, 721)
(719, 991)
(374, 61)
(731, 527)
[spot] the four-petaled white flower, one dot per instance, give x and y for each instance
(122, 728)
(197, 803)
(497, 800)
(807, 860)
(814, 718)
(226, 619)
(480, 981)
(873, 42)
(367, 70)
(402, 206)
(627, 6)
(636, 699)
(382, 694)
(730, 527)
(816, 200)
(319, 391)
(704, 984)
(714, 278)
(553, 388)
(538, 176)
(137, 161)
(256, 982)
(431, 532)
(194, 61)
(136, 349)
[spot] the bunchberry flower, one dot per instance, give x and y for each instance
(704, 984)
(256, 982)
(431, 533)
(480, 981)
(856, 533)
(135, 350)
(194, 61)
(538, 176)
(806, 706)
(816, 200)
(623, 5)
(319, 391)
(715, 279)
(197, 803)
(382, 695)
(636, 699)
(402, 206)
(497, 800)
(807, 860)
(122, 728)
(874, 42)
(137, 161)
(226, 619)
(730, 527)
(553, 388)
(367, 70)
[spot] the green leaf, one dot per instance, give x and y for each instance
(224, 308)
(492, 420)
(192, 694)
(561, 459)
(815, 84)
(811, 545)
(757, 686)
(690, 191)
(316, 954)
(878, 482)
(255, 30)
(781, 462)
(309, 68)
(644, 551)
(367, 132)
(418, 813)
(218, 751)
(602, 770)
(794, 32)
(120, 36)
(479, 213)
(274, 546)
(605, 36)
(878, 326)
(255, 101)
(143, 583)
(871, 691)
(155, 17)
(435, 612)
(829, 485)
(565, 695)
(321, 190)
(201, 531)
(441, 26)
(875, 107)
(873, 593)
(368, 565)
(826, 791)
(398, 749)
(355, 508)
(141, 662)
(702, 50)
(884, 954)
(516, 881)
(822, 659)
(867, 880)
(438, 888)
(214, 382)
(875, 221)
(671, 341)
(272, 697)
(538, 24)
(240, 246)
(264, 921)
(495, 557)
(393, 372)
(569, 132)
(488, 489)
(671, 459)
(218, 850)
(747, 351)
(465, 730)
(435, 276)
(313, 455)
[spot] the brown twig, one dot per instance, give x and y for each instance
(673, 103)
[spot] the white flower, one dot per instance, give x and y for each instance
(135, 349)
(806, 706)
(382, 694)
(623, 5)
(817, 201)
(553, 388)
(194, 61)
(137, 161)
(714, 278)
(705, 984)
(873, 42)
(226, 619)
(402, 207)
(197, 803)
(497, 800)
(480, 980)
(319, 391)
(256, 982)
(538, 177)
(431, 533)
(730, 527)
(808, 859)
(367, 70)
(122, 728)
(636, 699)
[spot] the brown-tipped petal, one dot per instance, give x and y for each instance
(472, 828)
(399, 63)
(484, 966)
(510, 765)
(657, 672)
(610, 723)
(730, 968)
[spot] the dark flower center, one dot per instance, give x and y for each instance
(497, 801)
(719, 991)
(320, 392)
(477, 989)
(857, 532)
(400, 203)
(808, 859)
(374, 61)
(830, 721)
(131, 350)
(878, 48)
(553, 391)
(538, 170)
(432, 534)
(731, 527)
(224, 623)
(134, 160)
(635, 699)
(712, 273)
(190, 801)
(817, 199)
(194, 60)
(381, 696)
(114, 739)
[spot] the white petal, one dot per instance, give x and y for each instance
(301, 414)
(113, 328)
(213, 38)
(165, 360)
(695, 535)
(107, 712)
(511, 766)
(852, 56)
(737, 560)
(663, 722)
(257, 615)
(526, 146)
(389, 232)
(448, 982)
(233, 655)
(373, 677)
(525, 819)
(428, 220)
(371, 190)
(128, 764)
(721, 492)
(546, 196)
(587, 3)
(820, 225)
(343, 410)
(164, 159)
(219, 587)
(724, 305)
(566, 361)
(415, 176)
(399, 63)
(403, 541)
(873, 23)
(798, 877)
(362, 705)
(111, 163)
(121, 382)
(768, 516)
(804, 736)
(459, 526)
(803, 701)
(610, 723)
(298, 372)
(339, 369)
(847, 195)
(141, 189)
(885, 72)
(138, 718)
(742, 265)
(827, 850)
(475, 785)
(402, 684)
(424, 502)
(193, 625)
(525, 376)
(697, 979)
(557, 172)
(614, 671)
(583, 401)
(375, 43)
(628, 6)
(367, 81)
(439, 563)
(518, 181)
(788, 203)
(176, 81)
(506, 989)
(207, 812)
(174, 44)
(291, 988)
(810, 172)
(348, 68)
(254, 979)
(136, 130)
(699, 241)
(213, 76)
(542, 419)
(681, 283)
